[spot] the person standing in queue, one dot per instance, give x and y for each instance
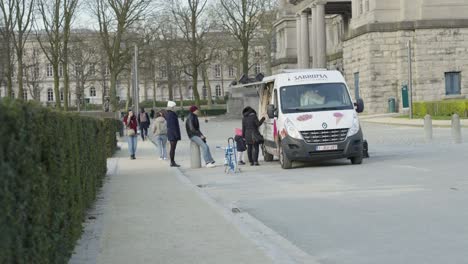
(250, 125)
(173, 131)
(131, 123)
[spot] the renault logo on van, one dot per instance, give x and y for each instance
(324, 125)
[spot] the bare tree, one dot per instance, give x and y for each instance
(242, 19)
(84, 61)
(18, 15)
(6, 31)
(115, 17)
(191, 20)
(32, 74)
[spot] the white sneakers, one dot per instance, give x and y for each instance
(210, 165)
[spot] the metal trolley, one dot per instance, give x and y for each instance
(230, 157)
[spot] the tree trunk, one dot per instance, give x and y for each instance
(206, 81)
(245, 58)
(113, 92)
(19, 76)
(55, 68)
(129, 97)
(154, 92)
(66, 79)
(195, 84)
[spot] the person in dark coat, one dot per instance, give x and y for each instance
(173, 131)
(193, 132)
(144, 122)
(253, 138)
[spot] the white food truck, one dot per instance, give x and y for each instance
(311, 117)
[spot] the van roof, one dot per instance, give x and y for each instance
(305, 76)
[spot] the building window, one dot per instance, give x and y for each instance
(92, 91)
(163, 72)
(452, 83)
(60, 70)
(218, 91)
(107, 70)
(13, 94)
(61, 94)
(50, 71)
(257, 54)
(367, 6)
(231, 71)
(25, 94)
(50, 95)
(361, 9)
(92, 69)
(204, 92)
(217, 70)
(258, 68)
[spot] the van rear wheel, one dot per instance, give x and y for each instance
(266, 156)
(285, 162)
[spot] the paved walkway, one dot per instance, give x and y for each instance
(153, 215)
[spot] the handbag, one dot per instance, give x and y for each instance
(130, 132)
(258, 138)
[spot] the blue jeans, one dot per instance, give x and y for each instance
(161, 142)
(132, 144)
(204, 149)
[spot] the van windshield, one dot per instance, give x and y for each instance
(315, 97)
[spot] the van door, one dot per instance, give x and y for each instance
(269, 128)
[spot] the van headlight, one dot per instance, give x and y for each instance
(291, 129)
(355, 127)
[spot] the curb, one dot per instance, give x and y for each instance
(408, 125)
(275, 247)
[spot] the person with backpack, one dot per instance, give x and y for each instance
(144, 122)
(130, 122)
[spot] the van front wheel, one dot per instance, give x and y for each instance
(356, 160)
(285, 162)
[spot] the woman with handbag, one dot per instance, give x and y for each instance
(131, 124)
(250, 125)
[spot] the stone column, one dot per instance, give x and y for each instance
(314, 36)
(321, 36)
(298, 40)
(305, 40)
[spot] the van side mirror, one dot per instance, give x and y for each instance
(271, 111)
(359, 105)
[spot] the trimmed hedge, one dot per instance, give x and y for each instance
(441, 108)
(52, 165)
(162, 104)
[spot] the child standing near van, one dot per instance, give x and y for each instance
(241, 146)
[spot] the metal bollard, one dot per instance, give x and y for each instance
(456, 129)
(195, 157)
(428, 128)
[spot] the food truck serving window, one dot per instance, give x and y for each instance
(315, 97)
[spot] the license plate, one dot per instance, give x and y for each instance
(327, 147)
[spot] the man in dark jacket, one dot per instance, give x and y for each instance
(173, 131)
(143, 121)
(193, 132)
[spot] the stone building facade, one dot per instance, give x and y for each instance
(368, 41)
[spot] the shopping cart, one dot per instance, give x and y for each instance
(230, 157)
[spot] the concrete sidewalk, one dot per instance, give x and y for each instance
(151, 215)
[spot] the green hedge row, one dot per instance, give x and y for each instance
(52, 165)
(441, 108)
(161, 104)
